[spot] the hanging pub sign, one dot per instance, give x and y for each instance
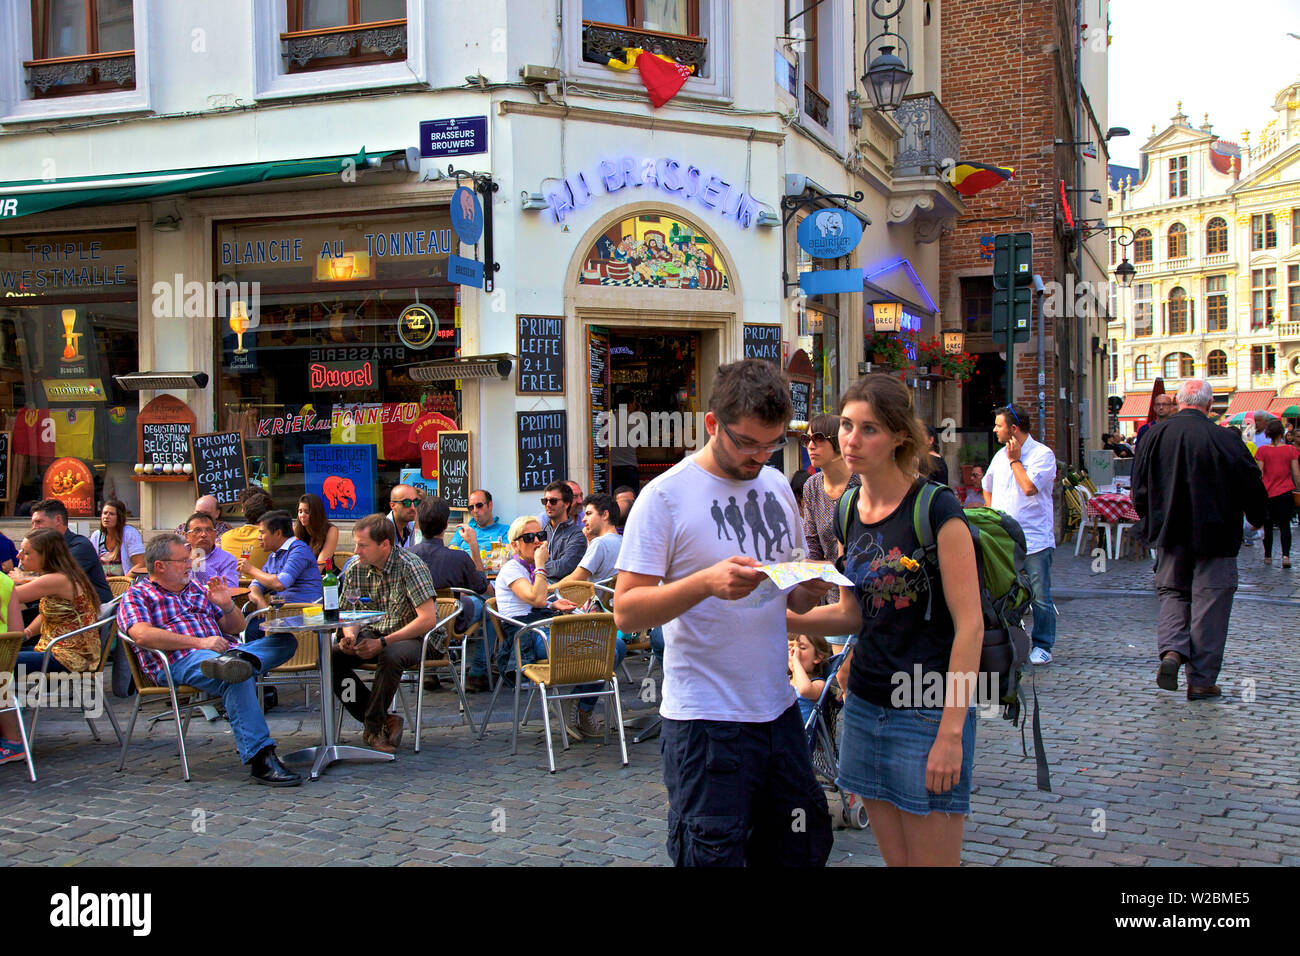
(164, 428)
(417, 326)
(344, 476)
(829, 233)
(454, 468)
(763, 342)
(464, 271)
(466, 215)
(539, 341)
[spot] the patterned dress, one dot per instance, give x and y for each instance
(59, 616)
(819, 519)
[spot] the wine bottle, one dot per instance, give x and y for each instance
(330, 587)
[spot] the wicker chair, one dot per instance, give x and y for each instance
(168, 695)
(119, 585)
(10, 644)
(107, 628)
(580, 650)
(341, 558)
(579, 592)
(475, 631)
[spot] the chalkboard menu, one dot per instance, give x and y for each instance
(5, 459)
(763, 342)
(165, 443)
(454, 469)
(219, 465)
(543, 451)
(164, 428)
(801, 396)
(540, 341)
(598, 388)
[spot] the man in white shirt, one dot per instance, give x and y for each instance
(1019, 483)
(600, 521)
(737, 765)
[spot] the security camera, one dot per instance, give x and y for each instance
(1038, 284)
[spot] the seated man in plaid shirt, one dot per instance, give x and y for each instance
(397, 583)
(198, 630)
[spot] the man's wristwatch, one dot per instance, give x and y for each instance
(383, 642)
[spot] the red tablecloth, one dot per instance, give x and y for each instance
(1112, 508)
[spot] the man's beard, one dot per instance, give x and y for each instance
(733, 470)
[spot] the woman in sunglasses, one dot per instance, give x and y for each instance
(521, 586)
(821, 495)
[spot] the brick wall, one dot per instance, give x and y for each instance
(1005, 82)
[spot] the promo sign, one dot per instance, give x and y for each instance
(417, 326)
(763, 342)
(219, 468)
(344, 477)
(70, 481)
(829, 233)
(454, 468)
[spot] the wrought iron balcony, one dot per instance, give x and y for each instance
(931, 140)
(816, 106)
(603, 41)
(81, 73)
(381, 40)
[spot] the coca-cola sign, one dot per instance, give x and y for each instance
(340, 376)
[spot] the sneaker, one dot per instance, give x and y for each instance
(11, 750)
(589, 725)
(1040, 656)
(571, 720)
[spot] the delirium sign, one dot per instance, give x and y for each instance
(669, 175)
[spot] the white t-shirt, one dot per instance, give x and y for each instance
(601, 559)
(723, 660)
(509, 603)
(1034, 512)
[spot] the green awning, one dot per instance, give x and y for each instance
(35, 195)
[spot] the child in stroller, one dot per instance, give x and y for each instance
(813, 670)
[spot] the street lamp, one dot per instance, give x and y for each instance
(954, 341)
(1124, 236)
(885, 316)
(886, 76)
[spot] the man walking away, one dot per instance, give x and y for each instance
(1019, 483)
(737, 766)
(1192, 481)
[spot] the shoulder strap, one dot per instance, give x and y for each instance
(844, 513)
(922, 521)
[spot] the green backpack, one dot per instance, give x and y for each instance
(1005, 595)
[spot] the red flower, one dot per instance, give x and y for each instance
(902, 602)
(888, 580)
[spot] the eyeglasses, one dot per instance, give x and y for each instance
(198, 531)
(752, 449)
(408, 503)
(807, 440)
(552, 501)
(528, 537)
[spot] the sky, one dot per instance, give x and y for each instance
(1228, 58)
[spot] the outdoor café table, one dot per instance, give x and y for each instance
(327, 752)
(1113, 508)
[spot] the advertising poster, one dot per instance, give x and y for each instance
(344, 476)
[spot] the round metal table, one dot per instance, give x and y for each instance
(328, 751)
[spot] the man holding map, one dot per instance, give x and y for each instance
(737, 767)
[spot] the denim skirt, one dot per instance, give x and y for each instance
(885, 750)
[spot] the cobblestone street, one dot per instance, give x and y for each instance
(1138, 775)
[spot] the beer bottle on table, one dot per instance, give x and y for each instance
(330, 589)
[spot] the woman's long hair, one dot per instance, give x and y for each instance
(891, 400)
(120, 530)
(57, 559)
(317, 524)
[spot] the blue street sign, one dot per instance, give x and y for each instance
(829, 233)
(831, 280)
(466, 215)
(453, 137)
(470, 271)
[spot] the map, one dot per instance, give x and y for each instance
(782, 577)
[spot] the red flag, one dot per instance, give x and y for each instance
(1157, 390)
(662, 78)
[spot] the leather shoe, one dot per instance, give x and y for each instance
(268, 769)
(1203, 693)
(1171, 663)
(378, 742)
(476, 685)
(233, 667)
(393, 730)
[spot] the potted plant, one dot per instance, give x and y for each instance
(888, 349)
(960, 366)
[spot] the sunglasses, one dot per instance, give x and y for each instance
(552, 501)
(478, 504)
(408, 503)
(528, 537)
(807, 440)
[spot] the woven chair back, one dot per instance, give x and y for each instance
(581, 648)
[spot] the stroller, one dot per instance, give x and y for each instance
(822, 728)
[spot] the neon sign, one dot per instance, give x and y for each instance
(667, 174)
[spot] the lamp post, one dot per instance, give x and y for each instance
(1124, 236)
(886, 76)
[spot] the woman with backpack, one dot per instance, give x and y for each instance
(908, 747)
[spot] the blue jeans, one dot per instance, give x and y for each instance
(32, 661)
(587, 704)
(247, 722)
(656, 635)
(1039, 566)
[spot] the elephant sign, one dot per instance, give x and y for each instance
(829, 233)
(344, 476)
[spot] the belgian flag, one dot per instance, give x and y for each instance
(971, 178)
(662, 75)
